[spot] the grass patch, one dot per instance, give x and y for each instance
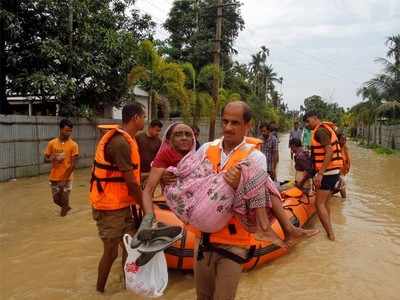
(385, 151)
(378, 149)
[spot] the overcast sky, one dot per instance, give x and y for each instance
(324, 47)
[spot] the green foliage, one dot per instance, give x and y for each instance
(379, 149)
(97, 61)
(90, 72)
(199, 85)
(326, 111)
(381, 94)
(192, 27)
(160, 78)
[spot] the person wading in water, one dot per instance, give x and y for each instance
(328, 162)
(115, 187)
(62, 152)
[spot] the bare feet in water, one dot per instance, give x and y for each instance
(331, 236)
(297, 234)
(64, 211)
(272, 236)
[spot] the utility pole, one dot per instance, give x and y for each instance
(217, 61)
(3, 61)
(70, 30)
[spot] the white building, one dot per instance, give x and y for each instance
(141, 96)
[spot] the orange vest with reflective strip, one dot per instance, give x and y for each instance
(233, 233)
(108, 190)
(318, 151)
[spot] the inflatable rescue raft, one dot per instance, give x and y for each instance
(299, 207)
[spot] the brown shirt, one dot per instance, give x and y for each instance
(323, 136)
(148, 148)
(118, 152)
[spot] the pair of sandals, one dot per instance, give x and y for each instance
(150, 241)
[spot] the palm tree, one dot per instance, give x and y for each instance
(390, 110)
(388, 83)
(159, 77)
(257, 69)
(198, 85)
(366, 112)
(393, 42)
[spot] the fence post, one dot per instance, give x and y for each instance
(37, 145)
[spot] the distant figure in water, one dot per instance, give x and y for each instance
(303, 165)
(270, 149)
(328, 162)
(62, 152)
(346, 165)
(296, 133)
(149, 142)
(306, 138)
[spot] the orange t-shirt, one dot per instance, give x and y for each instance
(68, 149)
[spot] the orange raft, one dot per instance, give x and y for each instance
(299, 207)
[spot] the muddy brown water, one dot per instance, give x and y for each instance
(43, 256)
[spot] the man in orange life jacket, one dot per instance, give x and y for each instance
(328, 162)
(217, 275)
(115, 186)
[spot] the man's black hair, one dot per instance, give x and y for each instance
(295, 143)
(156, 123)
(247, 114)
(131, 110)
(265, 125)
(66, 123)
(310, 114)
(195, 128)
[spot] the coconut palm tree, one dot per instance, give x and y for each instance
(388, 83)
(366, 112)
(393, 42)
(257, 69)
(271, 77)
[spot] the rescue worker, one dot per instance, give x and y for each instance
(220, 255)
(115, 187)
(328, 161)
(217, 274)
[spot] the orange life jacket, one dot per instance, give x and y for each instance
(254, 141)
(108, 190)
(233, 233)
(318, 151)
(346, 160)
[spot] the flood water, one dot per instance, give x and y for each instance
(44, 256)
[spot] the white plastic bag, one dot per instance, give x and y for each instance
(149, 280)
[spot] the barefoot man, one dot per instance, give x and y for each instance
(62, 152)
(328, 162)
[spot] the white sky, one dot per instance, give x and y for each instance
(324, 47)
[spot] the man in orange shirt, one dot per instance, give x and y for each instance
(62, 152)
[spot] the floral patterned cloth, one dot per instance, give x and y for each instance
(203, 199)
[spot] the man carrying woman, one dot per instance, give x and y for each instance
(217, 276)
